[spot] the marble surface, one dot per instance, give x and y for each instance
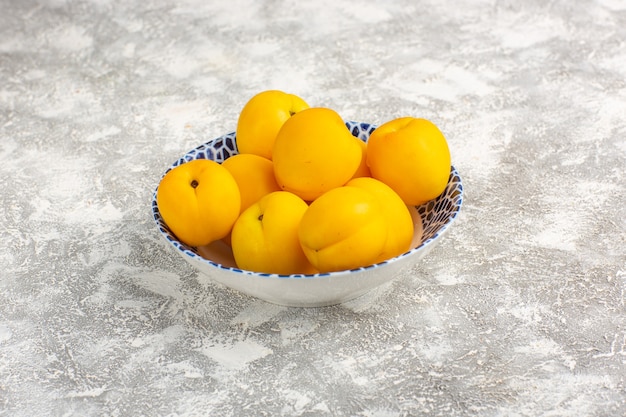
(520, 311)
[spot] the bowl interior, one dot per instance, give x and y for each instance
(431, 219)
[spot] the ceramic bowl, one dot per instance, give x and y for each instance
(431, 219)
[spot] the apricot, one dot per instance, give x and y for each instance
(315, 152)
(254, 175)
(344, 228)
(410, 155)
(265, 236)
(399, 220)
(363, 170)
(262, 117)
(199, 201)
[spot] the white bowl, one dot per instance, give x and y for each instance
(431, 219)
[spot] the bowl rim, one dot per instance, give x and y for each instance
(186, 250)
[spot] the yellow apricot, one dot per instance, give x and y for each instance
(410, 155)
(199, 201)
(399, 220)
(315, 152)
(363, 170)
(344, 228)
(262, 117)
(265, 236)
(254, 175)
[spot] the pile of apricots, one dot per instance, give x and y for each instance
(303, 195)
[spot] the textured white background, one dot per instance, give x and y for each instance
(520, 311)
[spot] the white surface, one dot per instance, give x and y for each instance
(520, 311)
